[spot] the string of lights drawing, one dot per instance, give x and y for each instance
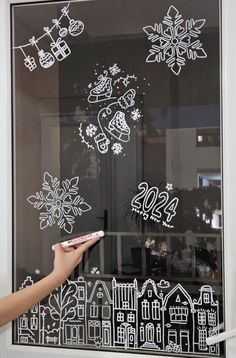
(152, 316)
(115, 92)
(59, 204)
(174, 41)
(154, 204)
(59, 48)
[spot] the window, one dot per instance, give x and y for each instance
(120, 334)
(208, 137)
(81, 311)
(120, 317)
(202, 335)
(34, 323)
(212, 318)
(131, 317)
(125, 305)
(155, 310)
(24, 322)
(110, 134)
(142, 338)
(178, 314)
(158, 329)
(202, 318)
(145, 309)
(81, 293)
(206, 298)
(94, 311)
(94, 329)
(106, 312)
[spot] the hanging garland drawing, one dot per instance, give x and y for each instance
(59, 49)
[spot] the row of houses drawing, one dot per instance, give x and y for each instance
(121, 315)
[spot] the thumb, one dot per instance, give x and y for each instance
(58, 249)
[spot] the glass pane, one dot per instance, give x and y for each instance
(116, 115)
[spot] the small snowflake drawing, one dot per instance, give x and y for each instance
(136, 114)
(117, 148)
(174, 42)
(114, 70)
(59, 205)
(91, 130)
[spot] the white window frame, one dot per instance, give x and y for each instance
(229, 199)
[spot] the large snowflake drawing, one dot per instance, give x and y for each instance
(175, 41)
(136, 114)
(59, 205)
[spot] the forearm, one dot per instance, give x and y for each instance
(19, 302)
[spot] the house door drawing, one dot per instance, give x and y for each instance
(150, 333)
(106, 334)
(184, 341)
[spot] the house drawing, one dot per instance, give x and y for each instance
(147, 316)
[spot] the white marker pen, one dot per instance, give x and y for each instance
(81, 239)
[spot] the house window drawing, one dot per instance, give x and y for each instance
(178, 314)
(81, 293)
(202, 339)
(206, 298)
(156, 310)
(120, 317)
(202, 318)
(94, 311)
(81, 311)
(145, 309)
(212, 318)
(131, 317)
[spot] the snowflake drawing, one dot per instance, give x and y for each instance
(136, 114)
(174, 42)
(114, 70)
(91, 130)
(59, 205)
(117, 148)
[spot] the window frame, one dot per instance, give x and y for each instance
(9, 350)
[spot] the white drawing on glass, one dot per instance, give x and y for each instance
(82, 137)
(76, 26)
(117, 148)
(126, 80)
(169, 187)
(114, 70)
(122, 315)
(154, 204)
(111, 93)
(59, 48)
(46, 59)
(174, 41)
(102, 89)
(29, 61)
(59, 204)
(91, 130)
(136, 114)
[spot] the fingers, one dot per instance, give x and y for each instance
(83, 247)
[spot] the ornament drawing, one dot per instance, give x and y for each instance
(145, 316)
(59, 204)
(154, 204)
(174, 40)
(59, 48)
(110, 91)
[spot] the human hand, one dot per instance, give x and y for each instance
(66, 259)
